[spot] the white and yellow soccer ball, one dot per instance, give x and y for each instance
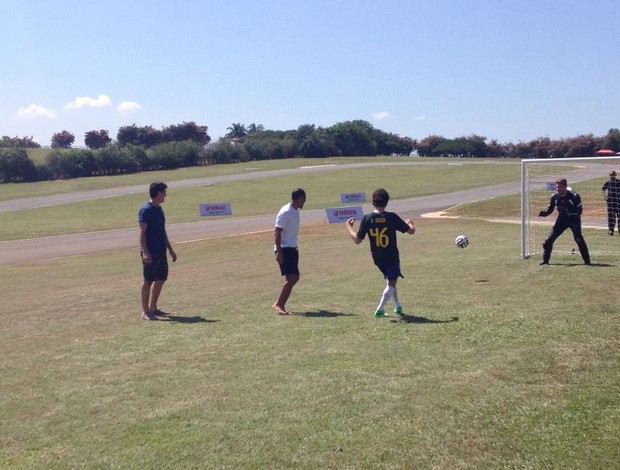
(461, 241)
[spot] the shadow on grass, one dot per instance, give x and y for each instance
(323, 314)
(593, 265)
(171, 318)
(421, 320)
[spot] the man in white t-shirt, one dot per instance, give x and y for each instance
(287, 256)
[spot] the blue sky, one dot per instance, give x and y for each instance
(507, 70)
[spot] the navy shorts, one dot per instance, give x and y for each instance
(158, 269)
(290, 261)
(390, 272)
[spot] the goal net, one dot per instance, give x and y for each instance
(584, 175)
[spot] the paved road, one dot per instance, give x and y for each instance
(20, 251)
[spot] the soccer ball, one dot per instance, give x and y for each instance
(461, 241)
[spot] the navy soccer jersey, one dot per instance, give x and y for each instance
(155, 235)
(381, 228)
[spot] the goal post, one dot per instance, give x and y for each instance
(585, 175)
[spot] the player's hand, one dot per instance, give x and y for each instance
(542, 214)
(146, 257)
(351, 221)
(173, 256)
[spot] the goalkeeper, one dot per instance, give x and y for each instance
(569, 207)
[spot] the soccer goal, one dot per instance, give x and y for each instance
(584, 175)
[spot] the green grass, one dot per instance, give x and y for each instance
(253, 197)
(493, 367)
(19, 190)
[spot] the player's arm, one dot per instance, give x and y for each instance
(146, 256)
(278, 244)
(549, 209)
(577, 203)
(351, 230)
(173, 255)
(411, 226)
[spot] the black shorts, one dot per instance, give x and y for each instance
(290, 261)
(390, 272)
(158, 269)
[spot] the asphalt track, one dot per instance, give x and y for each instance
(45, 248)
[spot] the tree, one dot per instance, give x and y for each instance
(582, 146)
(146, 136)
(236, 131)
(62, 140)
(186, 131)
(426, 147)
(171, 155)
(497, 150)
(15, 166)
(18, 142)
(317, 145)
(612, 140)
(354, 138)
(74, 163)
(255, 129)
(97, 139)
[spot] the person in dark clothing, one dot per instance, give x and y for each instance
(154, 245)
(611, 193)
(569, 207)
(381, 227)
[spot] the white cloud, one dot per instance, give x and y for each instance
(128, 106)
(35, 111)
(419, 118)
(101, 101)
(381, 115)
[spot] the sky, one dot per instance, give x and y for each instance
(507, 70)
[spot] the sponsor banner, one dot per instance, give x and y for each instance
(550, 186)
(353, 197)
(341, 214)
(215, 208)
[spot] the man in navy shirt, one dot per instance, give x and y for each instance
(153, 246)
(569, 207)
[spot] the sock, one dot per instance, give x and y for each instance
(387, 294)
(395, 297)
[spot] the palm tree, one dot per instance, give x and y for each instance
(254, 129)
(236, 131)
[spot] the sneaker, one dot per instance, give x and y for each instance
(148, 316)
(399, 311)
(380, 313)
(158, 313)
(611, 233)
(542, 263)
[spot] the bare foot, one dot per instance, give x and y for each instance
(279, 310)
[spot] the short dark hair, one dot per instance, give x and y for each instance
(380, 198)
(156, 187)
(562, 182)
(612, 173)
(297, 194)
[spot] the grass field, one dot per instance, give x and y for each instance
(497, 364)
(250, 197)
